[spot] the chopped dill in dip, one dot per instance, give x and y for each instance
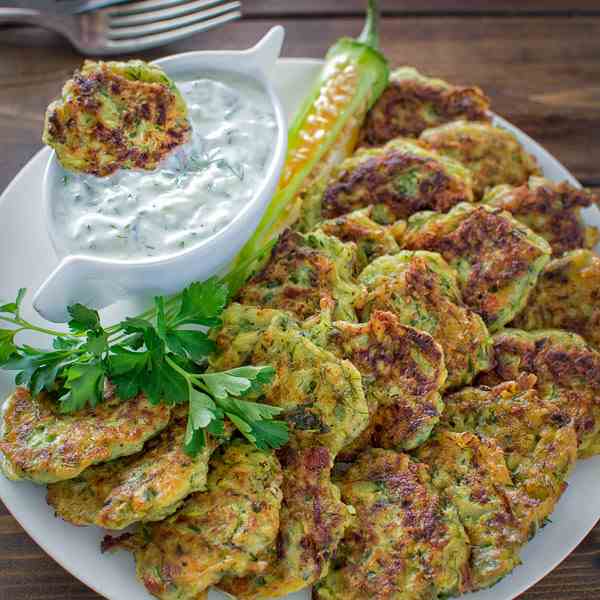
(197, 191)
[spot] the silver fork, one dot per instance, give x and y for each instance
(122, 27)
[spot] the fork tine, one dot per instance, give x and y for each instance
(181, 9)
(168, 24)
(160, 39)
(141, 6)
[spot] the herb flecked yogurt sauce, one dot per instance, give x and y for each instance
(195, 193)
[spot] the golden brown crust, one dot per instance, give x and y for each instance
(492, 154)
(402, 179)
(413, 103)
(217, 532)
(402, 372)
(301, 272)
(372, 239)
(116, 115)
(41, 444)
(470, 473)
(404, 542)
(539, 443)
(567, 371)
(498, 259)
(551, 210)
(421, 289)
(567, 296)
(147, 486)
(313, 520)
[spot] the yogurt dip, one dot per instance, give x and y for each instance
(197, 190)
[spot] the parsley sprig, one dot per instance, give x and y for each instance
(162, 353)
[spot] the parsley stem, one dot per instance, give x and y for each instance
(25, 325)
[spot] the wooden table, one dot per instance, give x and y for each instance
(539, 61)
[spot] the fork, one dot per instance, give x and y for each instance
(122, 27)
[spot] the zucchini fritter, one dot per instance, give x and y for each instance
(372, 240)
(404, 543)
(313, 520)
(567, 371)
(492, 154)
(567, 296)
(116, 115)
(399, 179)
(216, 533)
(413, 102)
(497, 259)
(470, 473)
(540, 449)
(322, 395)
(550, 209)
(402, 373)
(304, 269)
(39, 443)
(421, 289)
(148, 486)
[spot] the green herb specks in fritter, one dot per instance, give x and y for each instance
(147, 486)
(372, 240)
(313, 520)
(413, 102)
(216, 533)
(497, 259)
(321, 395)
(471, 474)
(539, 443)
(567, 296)
(552, 210)
(40, 443)
(402, 373)
(567, 372)
(404, 543)
(303, 270)
(422, 290)
(399, 179)
(493, 155)
(116, 115)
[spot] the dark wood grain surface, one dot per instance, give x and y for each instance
(539, 61)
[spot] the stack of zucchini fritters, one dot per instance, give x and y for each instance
(433, 320)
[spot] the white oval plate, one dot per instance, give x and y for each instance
(26, 257)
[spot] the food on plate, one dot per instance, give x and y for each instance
(498, 260)
(398, 179)
(552, 210)
(422, 290)
(567, 372)
(193, 193)
(470, 473)
(404, 541)
(218, 532)
(147, 486)
(304, 269)
(567, 296)
(371, 238)
(338, 344)
(116, 115)
(40, 443)
(321, 395)
(313, 520)
(540, 445)
(413, 102)
(493, 155)
(324, 131)
(402, 371)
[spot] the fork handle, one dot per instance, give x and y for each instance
(20, 15)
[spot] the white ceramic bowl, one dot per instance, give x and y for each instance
(98, 282)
